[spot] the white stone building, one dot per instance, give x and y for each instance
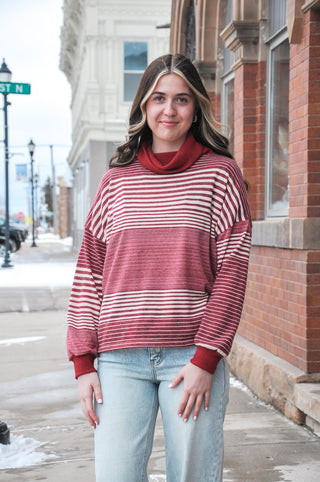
(105, 47)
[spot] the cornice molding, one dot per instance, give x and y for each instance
(242, 37)
(309, 4)
(70, 34)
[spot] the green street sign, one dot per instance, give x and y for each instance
(14, 88)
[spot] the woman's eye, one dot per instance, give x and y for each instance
(182, 100)
(158, 98)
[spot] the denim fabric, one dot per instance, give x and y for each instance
(135, 382)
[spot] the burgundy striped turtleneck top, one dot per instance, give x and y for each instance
(163, 262)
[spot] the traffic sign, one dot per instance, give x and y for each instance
(14, 88)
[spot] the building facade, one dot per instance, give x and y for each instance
(261, 65)
(105, 47)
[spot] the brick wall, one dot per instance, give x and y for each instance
(282, 307)
(304, 114)
(281, 311)
(249, 131)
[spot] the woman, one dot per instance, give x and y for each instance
(159, 285)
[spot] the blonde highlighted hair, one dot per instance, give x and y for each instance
(204, 129)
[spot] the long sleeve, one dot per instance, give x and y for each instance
(231, 247)
(86, 294)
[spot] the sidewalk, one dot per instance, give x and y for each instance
(40, 278)
(39, 401)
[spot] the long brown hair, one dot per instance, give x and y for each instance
(203, 129)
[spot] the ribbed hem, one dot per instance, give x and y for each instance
(206, 359)
(83, 364)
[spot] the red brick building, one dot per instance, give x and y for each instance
(261, 64)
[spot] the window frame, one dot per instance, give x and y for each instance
(272, 44)
(225, 121)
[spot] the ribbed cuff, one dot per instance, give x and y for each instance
(206, 359)
(83, 364)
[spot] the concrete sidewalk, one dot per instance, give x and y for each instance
(39, 402)
(39, 398)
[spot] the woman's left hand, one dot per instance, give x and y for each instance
(196, 389)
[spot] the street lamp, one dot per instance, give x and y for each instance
(5, 76)
(31, 147)
(36, 180)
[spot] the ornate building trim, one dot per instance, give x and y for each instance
(242, 37)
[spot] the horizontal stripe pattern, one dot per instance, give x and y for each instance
(163, 260)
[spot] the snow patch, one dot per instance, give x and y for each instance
(234, 383)
(12, 341)
(36, 275)
(22, 452)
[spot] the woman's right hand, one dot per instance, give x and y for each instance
(89, 385)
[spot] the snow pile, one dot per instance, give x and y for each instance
(50, 238)
(35, 274)
(22, 452)
(11, 341)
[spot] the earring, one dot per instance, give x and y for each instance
(195, 119)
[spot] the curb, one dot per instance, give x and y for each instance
(293, 392)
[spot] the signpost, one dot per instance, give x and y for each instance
(7, 87)
(14, 88)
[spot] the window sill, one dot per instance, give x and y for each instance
(288, 233)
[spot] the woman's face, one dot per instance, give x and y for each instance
(170, 112)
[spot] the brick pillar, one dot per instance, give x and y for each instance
(304, 116)
(249, 130)
(304, 168)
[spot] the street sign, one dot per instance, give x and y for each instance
(14, 88)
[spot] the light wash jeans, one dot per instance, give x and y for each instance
(135, 382)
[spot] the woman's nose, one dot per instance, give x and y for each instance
(169, 108)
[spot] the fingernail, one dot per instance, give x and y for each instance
(185, 419)
(179, 414)
(170, 386)
(100, 400)
(206, 409)
(195, 417)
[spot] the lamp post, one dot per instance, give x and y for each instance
(5, 76)
(31, 147)
(36, 180)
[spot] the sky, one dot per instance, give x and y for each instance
(30, 44)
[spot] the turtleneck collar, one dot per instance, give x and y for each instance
(179, 161)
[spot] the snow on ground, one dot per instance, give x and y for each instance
(22, 452)
(46, 274)
(50, 238)
(37, 275)
(26, 339)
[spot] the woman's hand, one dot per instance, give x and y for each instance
(89, 384)
(196, 388)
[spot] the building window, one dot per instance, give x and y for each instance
(227, 78)
(135, 63)
(277, 148)
(277, 16)
(191, 33)
(228, 109)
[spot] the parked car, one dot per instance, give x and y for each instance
(17, 234)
